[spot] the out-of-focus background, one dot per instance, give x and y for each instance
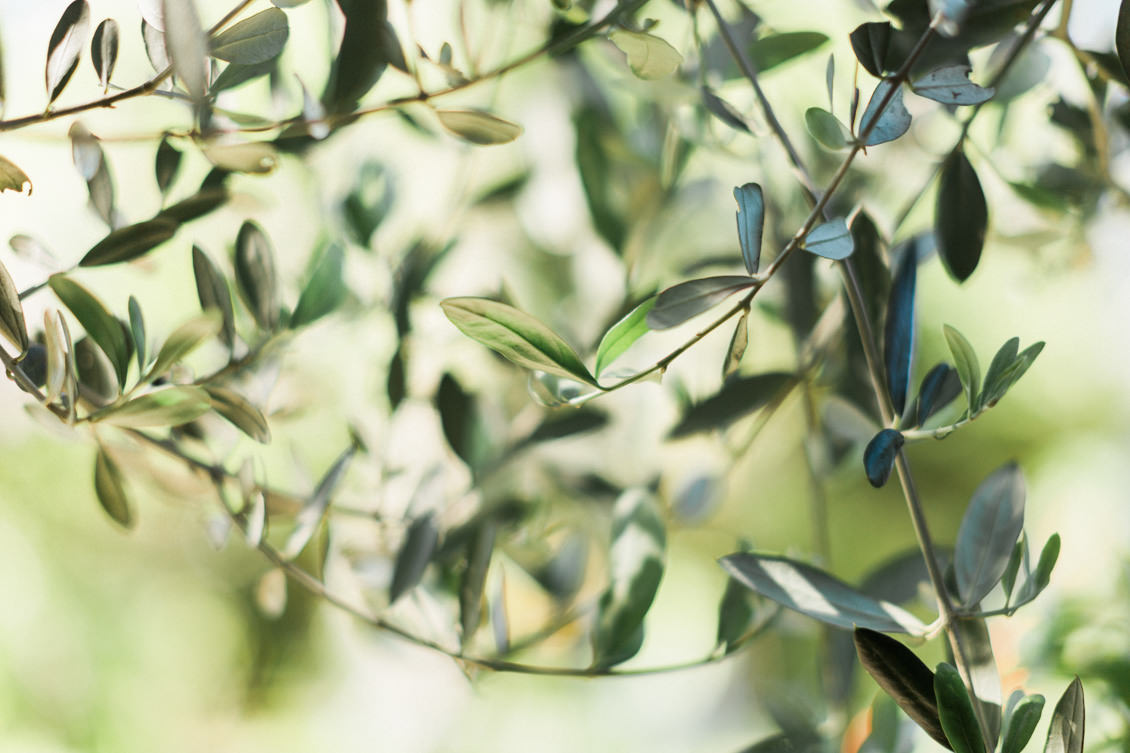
(157, 639)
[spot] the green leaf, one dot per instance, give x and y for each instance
(479, 127)
(886, 125)
(166, 164)
(622, 335)
(903, 676)
(130, 242)
(137, 332)
(956, 711)
(773, 49)
(12, 178)
(99, 323)
(459, 421)
(870, 43)
(1006, 369)
(735, 615)
(104, 51)
(186, 45)
(110, 491)
(471, 585)
(240, 413)
(255, 275)
(184, 339)
(738, 397)
(325, 291)
(212, 290)
(635, 566)
(168, 406)
(563, 424)
(1065, 733)
(751, 223)
(988, 534)
(237, 74)
(57, 341)
(826, 128)
(939, 388)
(1022, 723)
(950, 85)
(723, 110)
(368, 45)
(961, 217)
(211, 196)
(314, 509)
(649, 56)
(686, 300)
(1019, 554)
(1038, 580)
(414, 555)
(968, 369)
(818, 594)
(516, 335)
(1122, 36)
(832, 240)
(738, 343)
(973, 634)
(254, 157)
(254, 40)
(12, 325)
(65, 47)
(879, 456)
(899, 330)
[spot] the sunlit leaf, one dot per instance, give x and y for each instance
(738, 344)
(649, 56)
(686, 300)
(130, 242)
(723, 110)
(238, 74)
(968, 368)
(832, 240)
(240, 413)
(826, 128)
(99, 323)
(167, 406)
(879, 456)
(622, 335)
(57, 344)
(879, 127)
(270, 593)
(325, 291)
(414, 555)
(255, 274)
(989, 530)
(950, 85)
(516, 335)
(253, 40)
(212, 291)
(183, 340)
(368, 46)
(186, 45)
(1022, 723)
(155, 49)
(12, 178)
(1065, 733)
(961, 218)
(137, 332)
(12, 325)
(315, 507)
(899, 333)
(751, 223)
(773, 49)
(104, 51)
(739, 397)
(65, 47)
(955, 710)
(903, 676)
(255, 157)
(479, 127)
(973, 633)
(110, 491)
(817, 594)
(844, 420)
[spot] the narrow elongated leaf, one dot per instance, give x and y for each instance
(57, 342)
(516, 335)
(968, 369)
(240, 413)
(751, 223)
(826, 128)
(905, 678)
(1022, 723)
(1065, 734)
(818, 594)
(974, 636)
(110, 491)
(100, 324)
(237, 74)
(738, 398)
(12, 325)
(635, 567)
(474, 579)
(12, 178)
(85, 151)
(414, 555)
(104, 51)
(1006, 368)
(723, 110)
(326, 289)
(870, 42)
(212, 290)
(254, 40)
(168, 406)
(137, 332)
(989, 530)
(681, 302)
(889, 123)
(155, 49)
(255, 274)
(1038, 579)
(879, 456)
(899, 333)
(368, 45)
(65, 47)
(950, 85)
(167, 164)
(773, 49)
(961, 217)
(184, 339)
(479, 127)
(186, 45)
(649, 56)
(622, 334)
(738, 344)
(832, 240)
(130, 242)
(735, 614)
(1122, 36)
(313, 512)
(940, 387)
(956, 711)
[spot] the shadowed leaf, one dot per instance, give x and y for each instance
(1065, 734)
(414, 555)
(736, 351)
(988, 534)
(183, 340)
(368, 45)
(255, 275)
(773, 49)
(314, 509)
(898, 342)
(254, 40)
(325, 291)
(886, 125)
(961, 218)
(1022, 723)
(110, 491)
(104, 51)
(955, 710)
(474, 579)
(649, 56)
(12, 325)
(681, 302)
(213, 293)
(479, 127)
(879, 456)
(130, 242)
(738, 398)
(12, 178)
(870, 42)
(723, 110)
(168, 406)
(939, 388)
(826, 128)
(100, 324)
(240, 413)
(903, 676)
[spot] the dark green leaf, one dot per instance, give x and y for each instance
(870, 42)
(12, 325)
(187, 46)
(639, 543)
(94, 373)
(99, 323)
(110, 490)
(65, 47)
(989, 530)
(479, 127)
(950, 85)
(818, 594)
(166, 164)
(566, 423)
(207, 199)
(1006, 368)
(1065, 734)
(130, 242)
(12, 178)
(1038, 579)
(774, 49)
(880, 126)
(368, 45)
(973, 634)
(723, 110)
(237, 74)
(686, 300)
(738, 344)
(168, 406)
(1122, 36)
(241, 413)
(184, 339)
(903, 676)
(622, 334)
(962, 216)
(458, 419)
(255, 275)
(832, 240)
(751, 223)
(212, 290)
(313, 512)
(474, 579)
(517, 336)
(1022, 723)
(104, 51)
(956, 711)
(879, 456)
(649, 56)
(326, 289)
(1019, 554)
(870, 266)
(137, 331)
(940, 387)
(735, 615)
(968, 368)
(254, 40)
(414, 555)
(898, 341)
(826, 128)
(738, 397)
